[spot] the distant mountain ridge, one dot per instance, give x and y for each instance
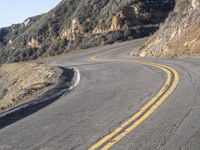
(77, 24)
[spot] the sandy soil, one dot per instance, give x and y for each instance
(21, 82)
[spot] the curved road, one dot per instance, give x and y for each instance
(118, 104)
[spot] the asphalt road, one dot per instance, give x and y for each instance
(112, 89)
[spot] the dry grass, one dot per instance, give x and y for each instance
(20, 82)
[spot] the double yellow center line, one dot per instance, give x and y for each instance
(129, 125)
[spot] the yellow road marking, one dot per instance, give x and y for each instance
(144, 108)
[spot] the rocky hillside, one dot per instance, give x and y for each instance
(77, 24)
(179, 35)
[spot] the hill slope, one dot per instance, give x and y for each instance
(81, 24)
(21, 82)
(179, 35)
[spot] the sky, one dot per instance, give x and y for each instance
(16, 11)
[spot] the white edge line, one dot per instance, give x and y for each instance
(77, 80)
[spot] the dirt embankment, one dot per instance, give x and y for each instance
(20, 82)
(179, 35)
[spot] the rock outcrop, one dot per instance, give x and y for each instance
(81, 24)
(179, 35)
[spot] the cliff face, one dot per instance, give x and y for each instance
(179, 35)
(81, 24)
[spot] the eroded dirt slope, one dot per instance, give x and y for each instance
(179, 35)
